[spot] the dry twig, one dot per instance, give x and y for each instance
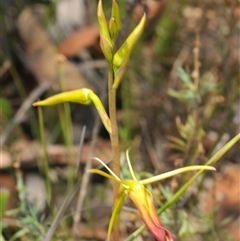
(26, 105)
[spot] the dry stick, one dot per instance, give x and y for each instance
(178, 63)
(93, 64)
(85, 180)
(80, 150)
(38, 91)
(67, 201)
(88, 70)
(196, 50)
(65, 204)
(26, 105)
(195, 76)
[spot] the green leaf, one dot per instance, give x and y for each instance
(116, 209)
(6, 108)
(185, 77)
(4, 197)
(177, 141)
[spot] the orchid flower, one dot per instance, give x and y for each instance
(141, 197)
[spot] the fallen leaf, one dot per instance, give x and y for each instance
(85, 37)
(6, 160)
(41, 54)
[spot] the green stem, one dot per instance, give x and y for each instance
(46, 164)
(114, 142)
(66, 120)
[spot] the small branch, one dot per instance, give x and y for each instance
(85, 181)
(195, 73)
(80, 150)
(65, 204)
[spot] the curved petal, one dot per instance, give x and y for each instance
(104, 174)
(175, 172)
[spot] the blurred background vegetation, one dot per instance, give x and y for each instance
(177, 105)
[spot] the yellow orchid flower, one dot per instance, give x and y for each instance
(141, 197)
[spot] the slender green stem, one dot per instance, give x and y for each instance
(66, 120)
(45, 163)
(113, 118)
(114, 135)
(115, 143)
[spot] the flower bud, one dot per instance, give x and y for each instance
(105, 40)
(115, 22)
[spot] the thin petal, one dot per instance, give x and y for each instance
(104, 174)
(122, 55)
(111, 172)
(101, 111)
(130, 166)
(175, 172)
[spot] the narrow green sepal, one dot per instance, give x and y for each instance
(101, 111)
(102, 173)
(118, 74)
(121, 57)
(176, 172)
(113, 29)
(106, 47)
